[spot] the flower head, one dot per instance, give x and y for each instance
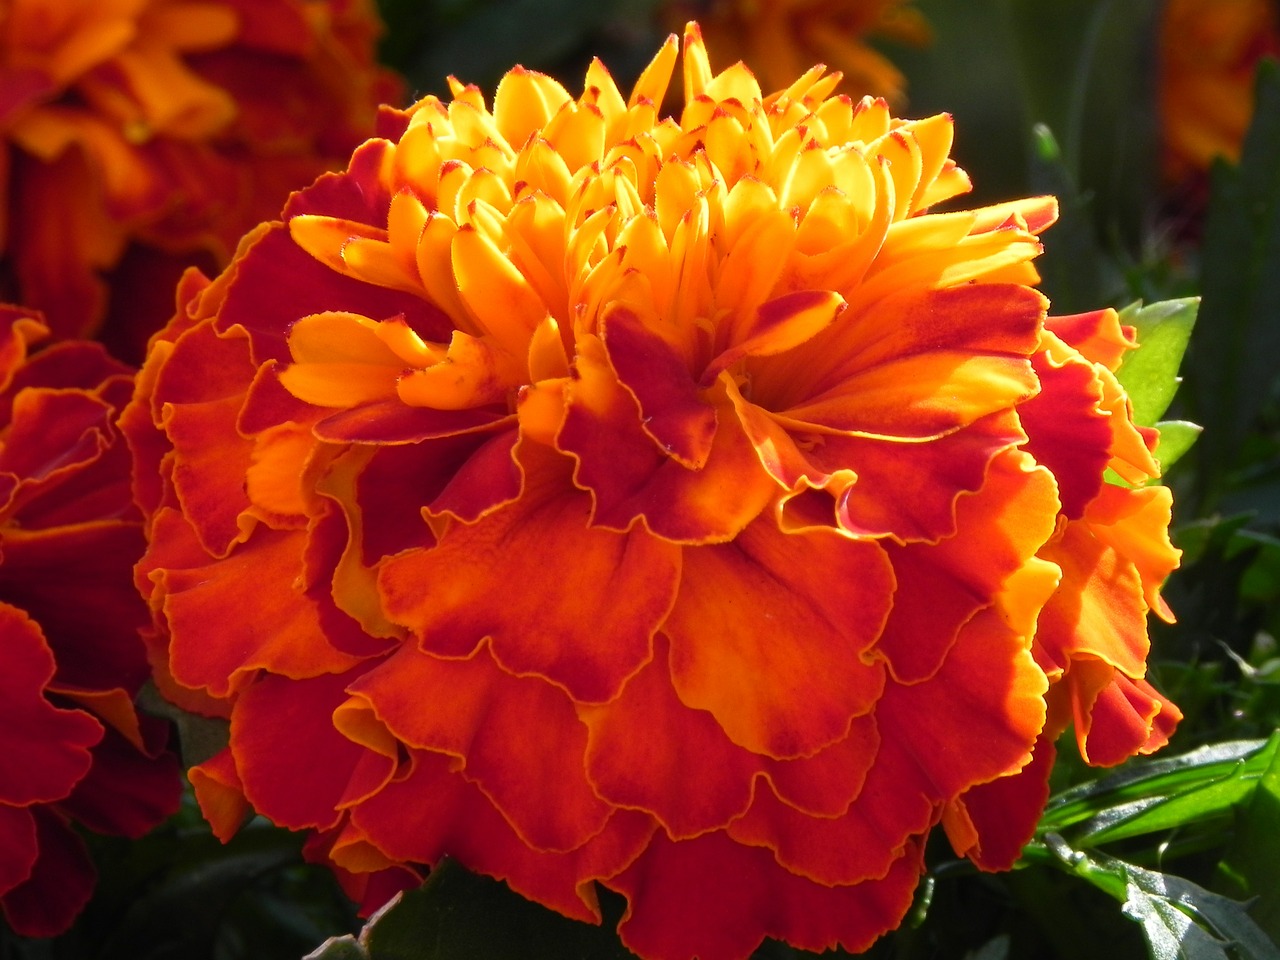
(138, 134)
(73, 750)
(780, 39)
(600, 497)
(1209, 52)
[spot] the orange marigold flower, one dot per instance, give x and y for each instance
(73, 750)
(136, 135)
(644, 501)
(1209, 52)
(779, 39)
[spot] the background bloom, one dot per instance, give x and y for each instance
(639, 501)
(781, 39)
(1209, 52)
(73, 750)
(137, 136)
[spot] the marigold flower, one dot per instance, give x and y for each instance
(73, 750)
(136, 135)
(647, 502)
(781, 38)
(1209, 52)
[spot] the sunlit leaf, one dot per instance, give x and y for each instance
(1149, 374)
(1180, 919)
(1252, 862)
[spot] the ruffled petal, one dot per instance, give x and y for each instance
(481, 587)
(716, 899)
(433, 812)
(780, 700)
(507, 731)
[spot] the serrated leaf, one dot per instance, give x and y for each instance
(1149, 374)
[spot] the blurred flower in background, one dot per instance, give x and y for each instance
(137, 136)
(780, 39)
(1209, 52)
(74, 752)
(667, 503)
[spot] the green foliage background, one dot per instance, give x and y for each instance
(1173, 857)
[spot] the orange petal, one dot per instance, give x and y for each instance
(509, 732)
(1098, 610)
(482, 583)
(220, 794)
(999, 529)
(918, 364)
(825, 596)
(650, 752)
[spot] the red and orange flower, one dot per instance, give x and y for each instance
(779, 39)
(73, 750)
(676, 504)
(138, 135)
(1209, 52)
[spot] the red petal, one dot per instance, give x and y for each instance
(630, 476)
(59, 885)
(1003, 813)
(434, 812)
(18, 841)
(126, 792)
(487, 580)
(75, 581)
(1127, 717)
(1098, 335)
(280, 729)
(671, 410)
(716, 899)
(518, 738)
(895, 804)
(1068, 431)
(392, 421)
(768, 633)
(219, 641)
(45, 750)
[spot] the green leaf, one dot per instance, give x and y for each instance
(1252, 862)
(1149, 374)
(1180, 919)
(1205, 784)
(1233, 364)
(1176, 438)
